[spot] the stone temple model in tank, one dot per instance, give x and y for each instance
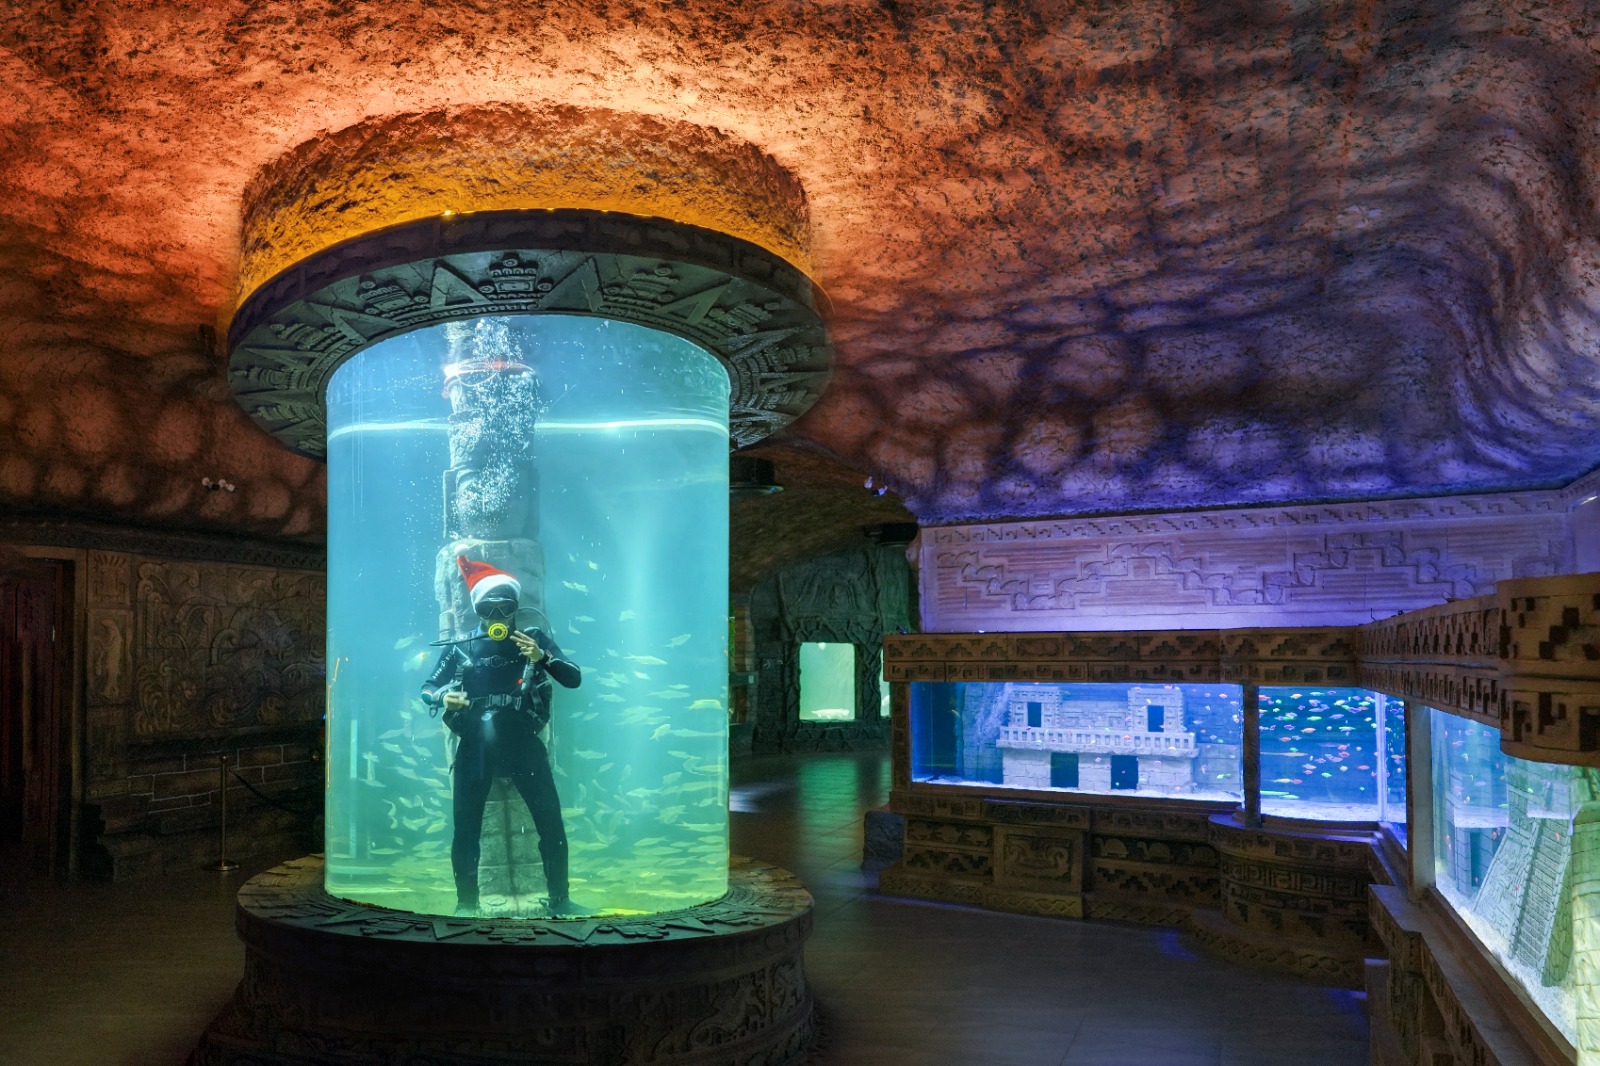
(1095, 744)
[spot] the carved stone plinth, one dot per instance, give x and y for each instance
(1293, 900)
(332, 982)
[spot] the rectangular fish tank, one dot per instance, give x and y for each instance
(1327, 754)
(1502, 845)
(589, 460)
(1096, 739)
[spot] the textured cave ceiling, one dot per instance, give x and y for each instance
(1082, 257)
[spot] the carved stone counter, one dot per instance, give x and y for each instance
(334, 982)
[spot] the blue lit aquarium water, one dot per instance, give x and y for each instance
(1502, 843)
(1392, 789)
(1129, 739)
(588, 459)
(1320, 753)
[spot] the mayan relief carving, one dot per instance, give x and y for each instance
(110, 656)
(222, 647)
(1301, 565)
(109, 584)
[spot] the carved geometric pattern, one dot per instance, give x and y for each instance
(336, 983)
(1275, 564)
(747, 307)
(1430, 977)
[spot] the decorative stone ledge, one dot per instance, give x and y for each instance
(1430, 1003)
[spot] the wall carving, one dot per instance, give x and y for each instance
(1313, 565)
(224, 648)
(744, 305)
(851, 597)
(1525, 659)
(187, 660)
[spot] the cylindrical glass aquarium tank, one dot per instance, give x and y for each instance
(576, 469)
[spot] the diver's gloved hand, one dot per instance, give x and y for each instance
(529, 646)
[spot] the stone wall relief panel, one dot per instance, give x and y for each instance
(1040, 860)
(1339, 565)
(110, 579)
(219, 648)
(852, 597)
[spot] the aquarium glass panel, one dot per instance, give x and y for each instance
(1392, 730)
(1320, 753)
(1502, 846)
(585, 460)
(827, 681)
(1127, 739)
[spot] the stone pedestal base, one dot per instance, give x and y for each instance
(329, 982)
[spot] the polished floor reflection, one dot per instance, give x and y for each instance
(128, 974)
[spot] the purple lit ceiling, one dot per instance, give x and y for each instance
(1081, 257)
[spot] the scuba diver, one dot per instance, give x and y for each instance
(494, 690)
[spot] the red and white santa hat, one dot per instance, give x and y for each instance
(483, 579)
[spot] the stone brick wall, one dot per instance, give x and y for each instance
(186, 662)
(853, 596)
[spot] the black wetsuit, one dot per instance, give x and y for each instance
(499, 731)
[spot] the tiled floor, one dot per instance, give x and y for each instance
(128, 974)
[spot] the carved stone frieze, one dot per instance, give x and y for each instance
(1525, 659)
(1046, 860)
(328, 981)
(224, 647)
(1247, 566)
(744, 305)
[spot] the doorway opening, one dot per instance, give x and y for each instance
(35, 695)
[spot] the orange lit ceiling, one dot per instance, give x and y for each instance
(1081, 257)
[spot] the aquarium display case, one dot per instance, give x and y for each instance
(583, 463)
(1502, 849)
(1181, 740)
(1321, 753)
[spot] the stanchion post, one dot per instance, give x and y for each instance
(223, 863)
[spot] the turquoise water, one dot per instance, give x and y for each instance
(627, 507)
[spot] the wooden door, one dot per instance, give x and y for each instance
(35, 692)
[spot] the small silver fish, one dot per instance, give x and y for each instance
(627, 616)
(645, 660)
(590, 754)
(575, 587)
(678, 641)
(706, 705)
